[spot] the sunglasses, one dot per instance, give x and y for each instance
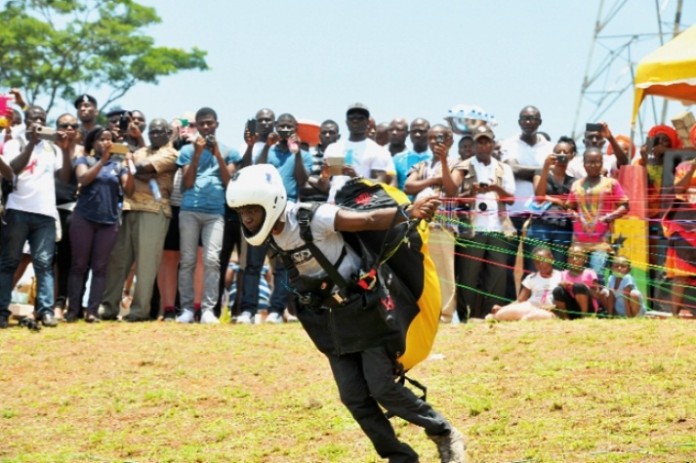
(68, 126)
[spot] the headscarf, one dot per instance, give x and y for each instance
(669, 132)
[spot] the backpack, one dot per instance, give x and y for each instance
(398, 295)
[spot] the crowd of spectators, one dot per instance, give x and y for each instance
(134, 215)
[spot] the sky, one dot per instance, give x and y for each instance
(409, 59)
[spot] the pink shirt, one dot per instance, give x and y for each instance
(587, 277)
(595, 202)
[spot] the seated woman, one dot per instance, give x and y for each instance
(535, 299)
(579, 289)
(622, 296)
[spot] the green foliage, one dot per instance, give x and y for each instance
(55, 49)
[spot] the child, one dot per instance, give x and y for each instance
(579, 287)
(622, 296)
(535, 297)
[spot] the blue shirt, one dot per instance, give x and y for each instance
(284, 161)
(100, 200)
(407, 159)
(208, 193)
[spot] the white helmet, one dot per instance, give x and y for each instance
(258, 185)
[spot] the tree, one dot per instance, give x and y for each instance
(56, 49)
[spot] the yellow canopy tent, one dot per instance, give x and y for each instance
(669, 72)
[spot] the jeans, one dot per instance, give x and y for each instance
(40, 231)
(252, 273)
(209, 228)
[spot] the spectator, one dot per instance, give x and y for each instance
(206, 171)
(184, 130)
(128, 131)
(314, 189)
(535, 300)
(623, 298)
(405, 160)
(382, 134)
(579, 289)
(596, 201)
(398, 131)
(680, 228)
(465, 147)
(30, 212)
(362, 156)
(371, 128)
(550, 224)
(525, 153)
(265, 123)
(282, 151)
(146, 216)
(86, 106)
(425, 180)
(596, 136)
(95, 222)
(66, 200)
(484, 185)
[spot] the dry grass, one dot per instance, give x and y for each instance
(583, 391)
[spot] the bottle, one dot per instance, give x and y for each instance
(154, 188)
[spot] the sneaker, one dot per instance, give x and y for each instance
(169, 315)
(244, 318)
(209, 318)
(185, 317)
(290, 318)
(274, 317)
(450, 446)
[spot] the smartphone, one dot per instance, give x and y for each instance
(440, 138)
(593, 127)
(251, 125)
(483, 185)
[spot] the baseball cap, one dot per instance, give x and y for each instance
(85, 98)
(483, 131)
(358, 108)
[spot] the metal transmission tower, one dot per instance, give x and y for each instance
(615, 51)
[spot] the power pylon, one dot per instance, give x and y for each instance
(615, 51)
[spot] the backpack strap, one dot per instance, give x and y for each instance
(304, 219)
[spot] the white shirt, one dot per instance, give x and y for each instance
(36, 190)
(490, 220)
(325, 237)
(515, 149)
(542, 288)
(363, 156)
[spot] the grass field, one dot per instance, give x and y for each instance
(582, 391)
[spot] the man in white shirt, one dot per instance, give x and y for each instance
(30, 212)
(484, 186)
(362, 157)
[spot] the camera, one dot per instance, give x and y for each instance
(285, 134)
(483, 207)
(440, 138)
(123, 122)
(210, 141)
(251, 126)
(45, 133)
(561, 159)
(483, 185)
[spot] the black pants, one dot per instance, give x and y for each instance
(365, 381)
(482, 275)
(63, 259)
